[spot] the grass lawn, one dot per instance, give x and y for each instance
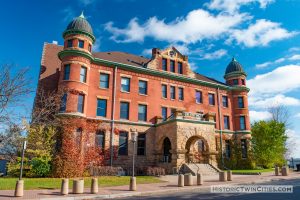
(54, 183)
(251, 170)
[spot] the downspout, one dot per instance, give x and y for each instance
(113, 117)
(220, 128)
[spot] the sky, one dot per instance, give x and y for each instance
(263, 35)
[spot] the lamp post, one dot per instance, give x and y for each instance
(133, 179)
(20, 183)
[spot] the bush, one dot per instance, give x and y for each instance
(41, 167)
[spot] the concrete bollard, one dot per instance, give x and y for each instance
(222, 176)
(199, 179)
(276, 171)
(188, 179)
(180, 180)
(64, 190)
(94, 186)
(284, 171)
(78, 186)
(132, 186)
(229, 175)
(19, 191)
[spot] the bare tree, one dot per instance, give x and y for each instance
(280, 113)
(14, 85)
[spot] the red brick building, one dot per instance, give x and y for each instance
(176, 112)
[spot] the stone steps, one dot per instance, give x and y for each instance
(194, 168)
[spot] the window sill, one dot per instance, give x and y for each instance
(199, 103)
(172, 99)
(224, 107)
(100, 117)
(164, 98)
(211, 105)
(143, 95)
(180, 100)
(75, 82)
(125, 92)
(101, 88)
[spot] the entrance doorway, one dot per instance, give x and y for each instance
(197, 150)
(166, 150)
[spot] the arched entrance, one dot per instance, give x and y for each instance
(166, 150)
(197, 150)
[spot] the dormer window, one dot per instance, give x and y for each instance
(80, 43)
(164, 64)
(69, 43)
(180, 69)
(172, 65)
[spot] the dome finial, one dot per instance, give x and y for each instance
(233, 58)
(81, 15)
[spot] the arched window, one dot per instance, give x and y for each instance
(78, 135)
(166, 150)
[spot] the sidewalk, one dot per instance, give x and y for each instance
(169, 186)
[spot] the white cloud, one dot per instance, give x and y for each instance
(259, 115)
(86, 2)
(147, 52)
(233, 6)
(265, 102)
(293, 143)
(281, 80)
(266, 64)
(261, 33)
(97, 44)
(194, 27)
(295, 57)
(297, 115)
(214, 55)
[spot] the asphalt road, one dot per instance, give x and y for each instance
(214, 196)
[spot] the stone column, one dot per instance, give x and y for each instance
(64, 190)
(19, 191)
(222, 176)
(78, 186)
(276, 171)
(94, 186)
(199, 179)
(188, 179)
(180, 180)
(229, 175)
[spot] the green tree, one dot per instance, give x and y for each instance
(268, 143)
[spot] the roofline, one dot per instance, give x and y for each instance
(182, 78)
(76, 31)
(234, 74)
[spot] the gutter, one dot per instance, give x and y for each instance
(113, 116)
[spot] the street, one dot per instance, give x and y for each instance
(207, 195)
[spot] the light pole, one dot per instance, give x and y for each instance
(133, 179)
(20, 183)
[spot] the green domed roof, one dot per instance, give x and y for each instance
(80, 24)
(234, 66)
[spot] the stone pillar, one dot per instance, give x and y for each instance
(180, 180)
(78, 186)
(94, 186)
(284, 171)
(132, 186)
(229, 175)
(199, 179)
(188, 179)
(276, 171)
(64, 190)
(19, 191)
(222, 176)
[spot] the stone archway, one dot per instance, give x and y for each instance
(197, 150)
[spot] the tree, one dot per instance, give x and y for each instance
(268, 143)
(280, 113)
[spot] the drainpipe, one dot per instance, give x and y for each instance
(113, 117)
(220, 127)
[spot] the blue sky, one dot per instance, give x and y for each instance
(263, 35)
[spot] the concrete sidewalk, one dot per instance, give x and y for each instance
(168, 186)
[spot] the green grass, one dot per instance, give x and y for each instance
(251, 170)
(54, 183)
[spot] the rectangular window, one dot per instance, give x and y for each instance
(180, 94)
(242, 123)
(211, 99)
(123, 143)
(164, 113)
(235, 81)
(124, 110)
(143, 87)
(80, 43)
(142, 113)
(225, 101)
(241, 102)
(164, 64)
(101, 107)
(243, 81)
(227, 149)
(173, 111)
(69, 43)
(172, 92)
(164, 91)
(226, 122)
(141, 144)
(104, 80)
(172, 65)
(198, 97)
(180, 69)
(125, 84)
(90, 48)
(67, 72)
(63, 104)
(80, 103)
(83, 71)
(244, 148)
(100, 140)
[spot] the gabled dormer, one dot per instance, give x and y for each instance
(170, 60)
